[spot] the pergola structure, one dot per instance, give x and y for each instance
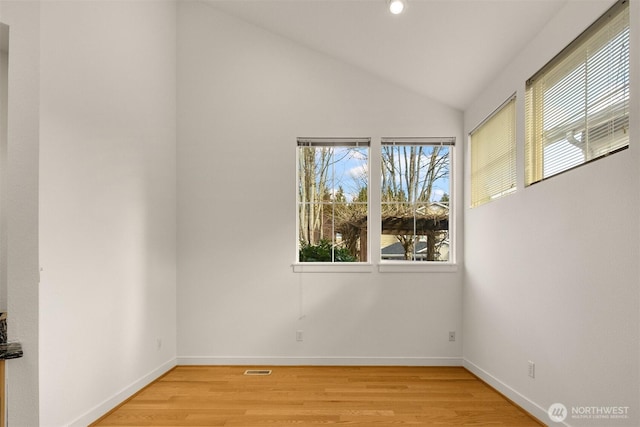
(354, 230)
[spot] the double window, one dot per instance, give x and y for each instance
(334, 213)
(576, 111)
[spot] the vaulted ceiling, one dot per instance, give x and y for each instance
(447, 50)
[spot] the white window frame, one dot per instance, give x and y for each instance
(374, 262)
(314, 267)
(392, 266)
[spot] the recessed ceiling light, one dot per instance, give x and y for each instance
(396, 6)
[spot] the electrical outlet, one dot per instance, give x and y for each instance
(452, 335)
(299, 336)
(532, 369)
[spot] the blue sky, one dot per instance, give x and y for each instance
(351, 168)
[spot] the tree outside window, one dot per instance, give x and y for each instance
(332, 199)
(415, 199)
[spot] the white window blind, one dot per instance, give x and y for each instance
(577, 106)
(493, 155)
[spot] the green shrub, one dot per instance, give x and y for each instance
(322, 253)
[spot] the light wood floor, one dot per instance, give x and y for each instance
(307, 396)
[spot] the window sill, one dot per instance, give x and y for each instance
(417, 267)
(325, 267)
(384, 267)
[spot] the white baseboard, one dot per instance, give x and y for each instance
(320, 361)
(101, 409)
(525, 403)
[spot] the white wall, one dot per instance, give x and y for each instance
(244, 96)
(107, 203)
(552, 270)
(22, 208)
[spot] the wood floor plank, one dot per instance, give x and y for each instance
(301, 396)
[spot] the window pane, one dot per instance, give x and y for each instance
(577, 106)
(332, 201)
(415, 201)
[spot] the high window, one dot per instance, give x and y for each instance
(415, 199)
(493, 155)
(333, 209)
(577, 106)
